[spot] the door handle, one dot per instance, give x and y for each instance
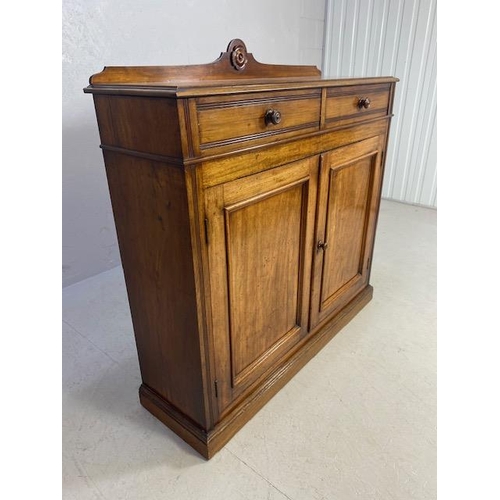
(322, 245)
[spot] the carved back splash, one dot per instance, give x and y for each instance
(234, 64)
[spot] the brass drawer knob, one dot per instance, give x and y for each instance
(364, 102)
(272, 116)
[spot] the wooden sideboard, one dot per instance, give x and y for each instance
(245, 198)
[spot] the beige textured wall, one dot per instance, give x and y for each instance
(124, 32)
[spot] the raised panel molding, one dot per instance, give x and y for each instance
(271, 262)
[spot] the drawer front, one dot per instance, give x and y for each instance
(352, 104)
(229, 122)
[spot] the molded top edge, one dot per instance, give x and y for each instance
(235, 71)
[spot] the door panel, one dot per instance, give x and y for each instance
(347, 208)
(263, 242)
(345, 225)
(261, 235)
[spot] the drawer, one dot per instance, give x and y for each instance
(356, 103)
(229, 122)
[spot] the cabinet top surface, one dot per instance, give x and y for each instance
(234, 71)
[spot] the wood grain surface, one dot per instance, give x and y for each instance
(246, 242)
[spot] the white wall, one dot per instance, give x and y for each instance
(393, 38)
(152, 32)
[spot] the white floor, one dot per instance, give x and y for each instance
(358, 422)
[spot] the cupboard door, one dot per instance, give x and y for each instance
(349, 192)
(260, 234)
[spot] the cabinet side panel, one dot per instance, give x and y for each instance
(143, 124)
(151, 214)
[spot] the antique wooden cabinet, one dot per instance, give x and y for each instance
(245, 197)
